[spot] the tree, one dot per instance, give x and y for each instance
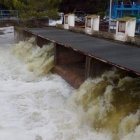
(88, 6)
(7, 3)
(19, 5)
(29, 8)
(38, 8)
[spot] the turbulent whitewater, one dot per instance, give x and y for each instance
(112, 103)
(38, 105)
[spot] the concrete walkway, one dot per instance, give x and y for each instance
(120, 55)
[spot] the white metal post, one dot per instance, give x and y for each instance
(110, 11)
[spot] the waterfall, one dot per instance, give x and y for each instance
(38, 60)
(112, 103)
(35, 105)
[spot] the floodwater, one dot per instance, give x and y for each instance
(38, 105)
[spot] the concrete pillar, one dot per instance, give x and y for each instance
(92, 23)
(125, 27)
(95, 68)
(69, 21)
(70, 65)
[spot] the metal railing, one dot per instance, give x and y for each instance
(137, 28)
(120, 10)
(8, 15)
(104, 26)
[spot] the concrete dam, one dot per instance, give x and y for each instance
(84, 56)
(37, 104)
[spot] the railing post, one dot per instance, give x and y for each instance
(8, 15)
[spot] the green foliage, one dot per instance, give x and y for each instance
(52, 13)
(101, 13)
(89, 6)
(34, 14)
(19, 5)
(33, 8)
(7, 3)
(37, 8)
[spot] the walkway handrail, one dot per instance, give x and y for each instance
(8, 15)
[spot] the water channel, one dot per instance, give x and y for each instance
(38, 105)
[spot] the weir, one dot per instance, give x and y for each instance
(78, 56)
(109, 104)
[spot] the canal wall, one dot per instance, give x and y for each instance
(71, 64)
(22, 34)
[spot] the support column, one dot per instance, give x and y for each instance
(88, 67)
(95, 68)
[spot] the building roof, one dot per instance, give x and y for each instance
(92, 16)
(127, 19)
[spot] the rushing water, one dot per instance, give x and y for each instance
(38, 105)
(112, 103)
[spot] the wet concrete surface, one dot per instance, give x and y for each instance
(72, 74)
(120, 55)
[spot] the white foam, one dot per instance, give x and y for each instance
(7, 35)
(35, 108)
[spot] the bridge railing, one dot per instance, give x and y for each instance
(129, 5)
(120, 10)
(9, 15)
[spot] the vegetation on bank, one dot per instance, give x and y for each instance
(39, 8)
(33, 8)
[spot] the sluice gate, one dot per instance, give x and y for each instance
(78, 56)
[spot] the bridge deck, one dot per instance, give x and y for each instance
(120, 55)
